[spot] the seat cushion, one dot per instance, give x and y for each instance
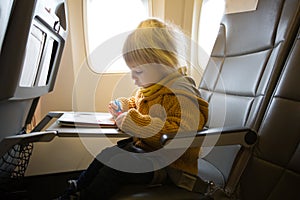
(208, 171)
(168, 191)
(217, 170)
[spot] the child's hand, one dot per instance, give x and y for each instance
(115, 108)
(119, 120)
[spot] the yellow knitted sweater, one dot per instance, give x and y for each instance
(173, 105)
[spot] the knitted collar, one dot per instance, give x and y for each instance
(148, 91)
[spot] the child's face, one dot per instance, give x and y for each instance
(148, 74)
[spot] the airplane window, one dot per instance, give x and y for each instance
(211, 14)
(106, 26)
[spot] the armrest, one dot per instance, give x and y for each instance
(8, 142)
(212, 137)
(46, 120)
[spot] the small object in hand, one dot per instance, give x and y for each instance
(119, 109)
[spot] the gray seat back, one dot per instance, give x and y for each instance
(274, 170)
(245, 64)
(32, 39)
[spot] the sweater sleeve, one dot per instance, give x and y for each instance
(142, 126)
(176, 120)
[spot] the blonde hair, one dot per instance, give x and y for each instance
(154, 41)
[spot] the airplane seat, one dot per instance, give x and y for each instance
(273, 172)
(242, 72)
(32, 39)
(244, 67)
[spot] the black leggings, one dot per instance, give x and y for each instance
(100, 180)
